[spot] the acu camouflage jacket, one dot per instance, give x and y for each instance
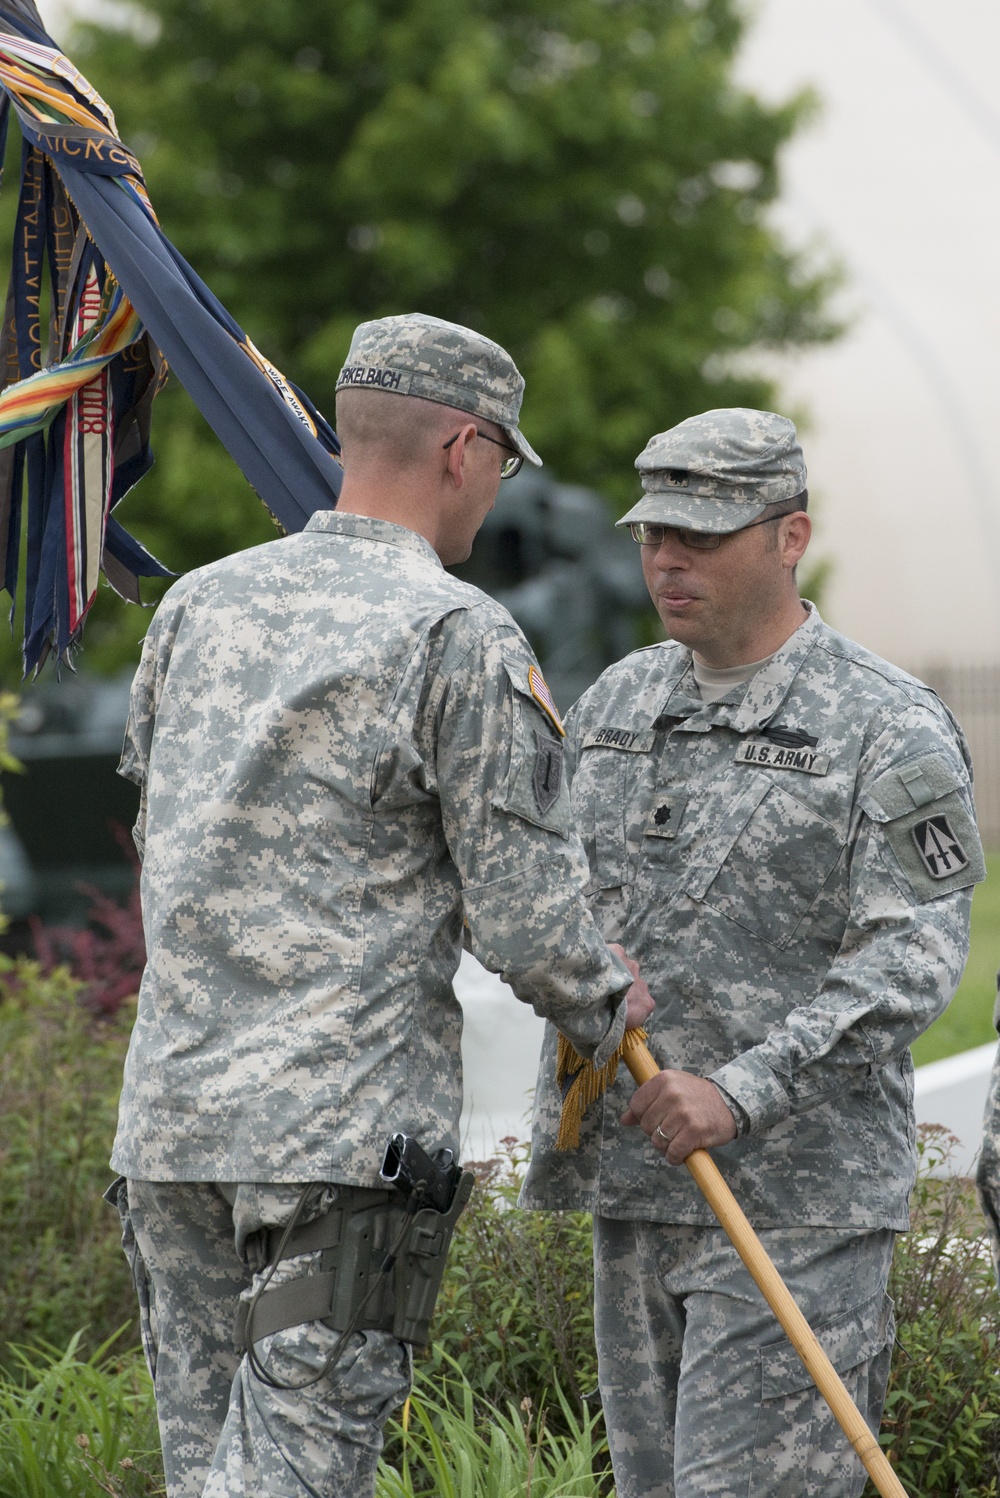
(792, 868)
(344, 754)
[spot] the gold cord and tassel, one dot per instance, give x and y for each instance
(581, 1083)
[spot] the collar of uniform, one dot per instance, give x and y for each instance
(756, 703)
(683, 700)
(768, 689)
(367, 528)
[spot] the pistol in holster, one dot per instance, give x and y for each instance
(416, 1213)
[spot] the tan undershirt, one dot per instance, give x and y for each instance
(714, 682)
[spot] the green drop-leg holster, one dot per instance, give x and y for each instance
(354, 1238)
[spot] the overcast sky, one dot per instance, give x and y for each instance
(900, 178)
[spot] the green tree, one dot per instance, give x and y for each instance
(581, 179)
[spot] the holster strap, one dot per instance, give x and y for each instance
(305, 1299)
(324, 1232)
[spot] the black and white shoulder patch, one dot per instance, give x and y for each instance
(939, 848)
(546, 778)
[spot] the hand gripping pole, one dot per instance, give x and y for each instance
(774, 1290)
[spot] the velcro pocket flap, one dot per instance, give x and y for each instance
(721, 823)
(911, 787)
(848, 1340)
(517, 671)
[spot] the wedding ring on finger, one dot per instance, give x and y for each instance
(663, 1136)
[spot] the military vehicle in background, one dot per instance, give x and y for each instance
(548, 551)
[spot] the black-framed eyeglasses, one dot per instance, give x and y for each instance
(509, 466)
(648, 534)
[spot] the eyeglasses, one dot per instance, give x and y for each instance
(654, 535)
(509, 466)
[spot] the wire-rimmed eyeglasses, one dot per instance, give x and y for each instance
(509, 466)
(648, 534)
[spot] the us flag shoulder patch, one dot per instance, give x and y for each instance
(940, 850)
(539, 690)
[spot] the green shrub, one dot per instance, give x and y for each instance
(941, 1426)
(516, 1308)
(62, 1269)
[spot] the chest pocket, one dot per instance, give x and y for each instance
(763, 859)
(599, 804)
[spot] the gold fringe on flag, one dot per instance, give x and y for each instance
(581, 1083)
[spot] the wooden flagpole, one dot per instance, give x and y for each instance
(774, 1290)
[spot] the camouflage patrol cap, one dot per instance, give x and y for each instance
(439, 361)
(719, 471)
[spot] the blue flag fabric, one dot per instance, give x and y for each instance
(124, 304)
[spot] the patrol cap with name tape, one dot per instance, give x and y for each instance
(719, 471)
(415, 354)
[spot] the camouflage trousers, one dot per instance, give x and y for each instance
(195, 1250)
(702, 1392)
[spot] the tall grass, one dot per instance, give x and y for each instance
(454, 1444)
(81, 1427)
(77, 1426)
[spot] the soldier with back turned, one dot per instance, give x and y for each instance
(348, 760)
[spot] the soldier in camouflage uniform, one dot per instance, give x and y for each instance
(346, 758)
(780, 830)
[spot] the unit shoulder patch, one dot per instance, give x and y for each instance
(540, 692)
(937, 845)
(776, 757)
(546, 777)
(940, 850)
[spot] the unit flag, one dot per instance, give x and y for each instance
(99, 304)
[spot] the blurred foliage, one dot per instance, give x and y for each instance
(581, 179)
(10, 706)
(60, 1073)
(106, 956)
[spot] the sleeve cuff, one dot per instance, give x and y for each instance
(613, 1039)
(740, 1115)
(754, 1087)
